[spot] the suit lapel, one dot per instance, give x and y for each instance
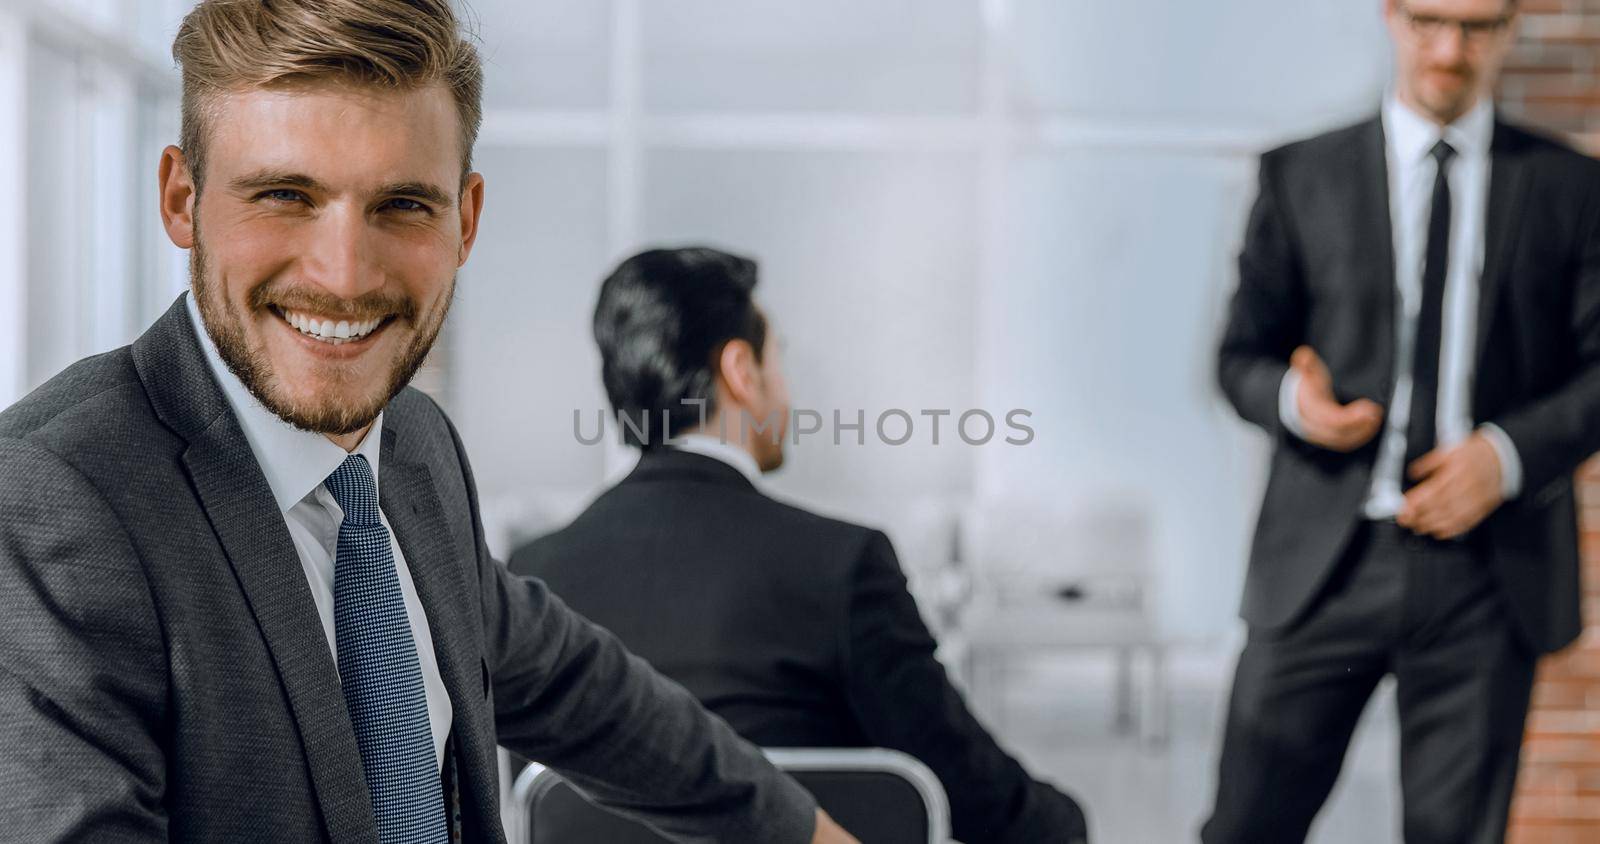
(1507, 190)
(1373, 215)
(409, 500)
(240, 507)
(246, 519)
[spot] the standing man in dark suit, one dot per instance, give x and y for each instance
(1417, 325)
(797, 629)
(244, 592)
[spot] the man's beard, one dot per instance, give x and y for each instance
(335, 414)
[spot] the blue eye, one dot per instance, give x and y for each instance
(283, 195)
(401, 204)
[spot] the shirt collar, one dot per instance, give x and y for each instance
(295, 461)
(1412, 136)
(717, 449)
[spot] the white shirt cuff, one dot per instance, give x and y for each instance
(1510, 461)
(1289, 403)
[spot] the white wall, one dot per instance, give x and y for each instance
(521, 357)
(1257, 63)
(956, 205)
(1030, 204)
(878, 57)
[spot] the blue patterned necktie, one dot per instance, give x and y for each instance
(379, 671)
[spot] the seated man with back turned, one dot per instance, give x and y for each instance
(795, 628)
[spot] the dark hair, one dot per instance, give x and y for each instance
(662, 320)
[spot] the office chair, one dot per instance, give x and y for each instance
(880, 796)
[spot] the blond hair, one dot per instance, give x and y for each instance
(229, 45)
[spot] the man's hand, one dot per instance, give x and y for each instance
(829, 832)
(1323, 420)
(1459, 487)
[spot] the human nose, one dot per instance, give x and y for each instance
(339, 258)
(1450, 45)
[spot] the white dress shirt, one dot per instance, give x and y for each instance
(717, 449)
(1409, 139)
(296, 463)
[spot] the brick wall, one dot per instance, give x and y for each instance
(1553, 80)
(1553, 75)
(1558, 795)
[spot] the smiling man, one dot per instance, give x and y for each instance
(1417, 326)
(244, 591)
(325, 276)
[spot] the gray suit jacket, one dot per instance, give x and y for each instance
(163, 674)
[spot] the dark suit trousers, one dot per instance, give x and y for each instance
(1430, 613)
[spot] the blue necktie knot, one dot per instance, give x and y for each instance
(353, 487)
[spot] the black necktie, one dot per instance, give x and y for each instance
(1422, 428)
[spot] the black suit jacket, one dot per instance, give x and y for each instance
(164, 677)
(797, 629)
(1318, 268)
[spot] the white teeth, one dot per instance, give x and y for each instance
(329, 331)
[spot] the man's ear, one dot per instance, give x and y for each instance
(177, 197)
(739, 373)
(471, 207)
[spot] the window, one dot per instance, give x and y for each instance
(86, 102)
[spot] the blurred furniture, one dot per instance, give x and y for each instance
(880, 796)
(1050, 577)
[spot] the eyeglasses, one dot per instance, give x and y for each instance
(1474, 31)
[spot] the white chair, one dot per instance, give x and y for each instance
(1051, 576)
(878, 794)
